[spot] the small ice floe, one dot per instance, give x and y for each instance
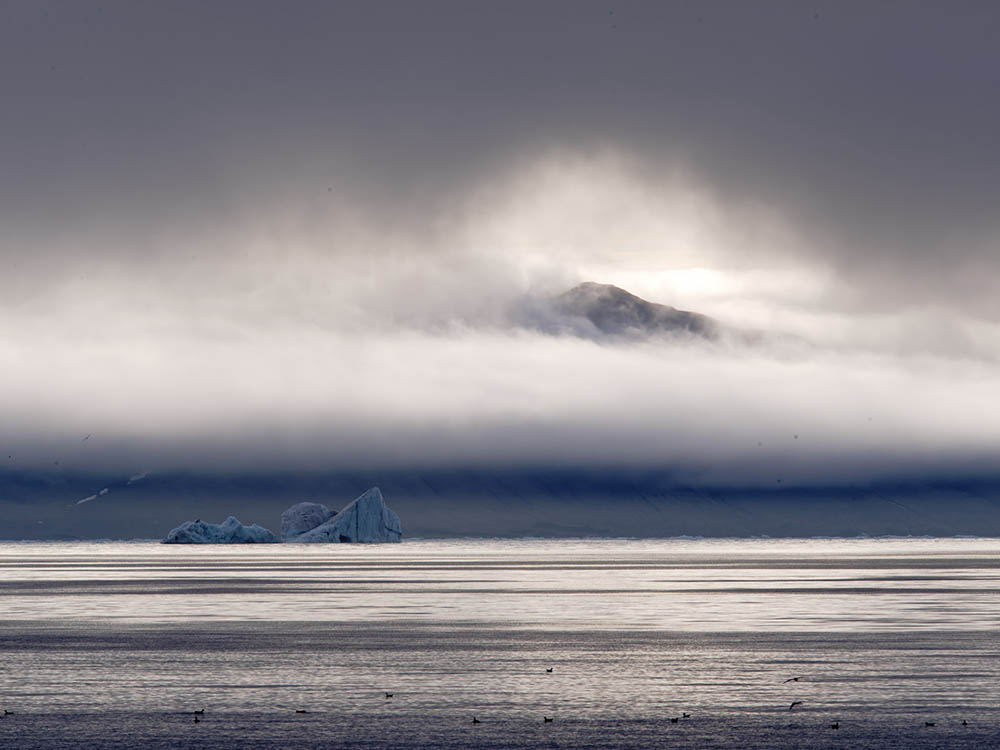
(87, 499)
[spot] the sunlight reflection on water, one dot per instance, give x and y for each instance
(882, 634)
(743, 585)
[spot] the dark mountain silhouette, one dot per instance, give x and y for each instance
(616, 312)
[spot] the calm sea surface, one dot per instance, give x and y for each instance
(283, 646)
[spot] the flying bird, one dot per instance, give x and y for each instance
(794, 704)
(792, 679)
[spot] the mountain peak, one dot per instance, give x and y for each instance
(617, 312)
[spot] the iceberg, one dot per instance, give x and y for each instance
(367, 519)
(302, 517)
(230, 531)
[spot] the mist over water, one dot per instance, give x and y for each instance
(326, 338)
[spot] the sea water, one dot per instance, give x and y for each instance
(878, 643)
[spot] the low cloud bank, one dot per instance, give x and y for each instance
(313, 400)
(313, 339)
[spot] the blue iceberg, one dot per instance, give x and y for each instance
(367, 519)
(230, 531)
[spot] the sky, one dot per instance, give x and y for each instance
(244, 236)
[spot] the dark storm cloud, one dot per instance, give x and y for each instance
(871, 124)
(296, 234)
